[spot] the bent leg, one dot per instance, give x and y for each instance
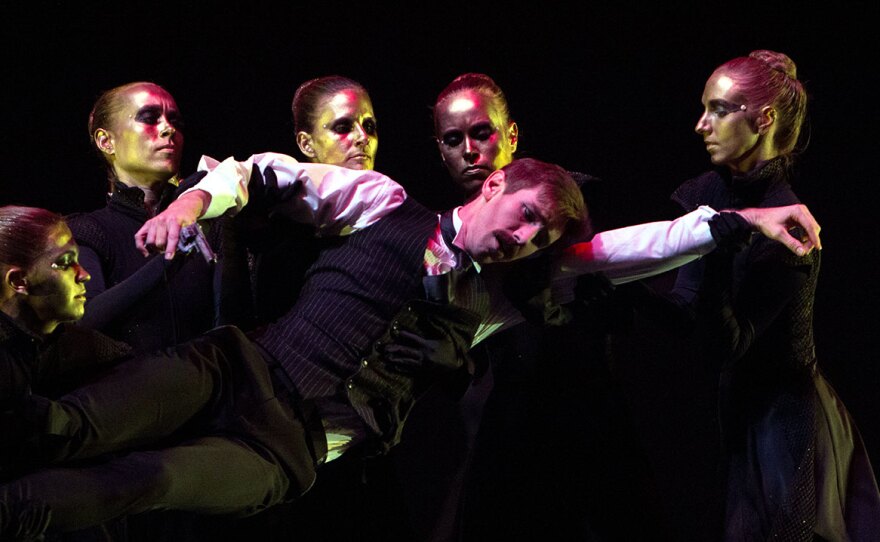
(146, 399)
(210, 475)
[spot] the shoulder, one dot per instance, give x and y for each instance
(698, 190)
(73, 339)
(89, 229)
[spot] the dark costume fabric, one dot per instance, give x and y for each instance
(230, 418)
(555, 395)
(51, 366)
(150, 303)
(796, 465)
(473, 464)
(147, 302)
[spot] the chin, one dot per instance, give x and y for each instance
(469, 186)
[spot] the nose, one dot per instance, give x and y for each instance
(361, 136)
(703, 126)
(168, 129)
(81, 274)
(470, 152)
(525, 233)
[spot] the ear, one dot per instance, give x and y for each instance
(104, 141)
(513, 136)
(494, 184)
(16, 280)
(766, 119)
(304, 142)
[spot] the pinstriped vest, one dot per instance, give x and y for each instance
(351, 295)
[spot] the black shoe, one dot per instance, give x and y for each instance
(25, 521)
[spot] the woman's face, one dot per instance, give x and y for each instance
(145, 142)
(56, 289)
(728, 129)
(344, 133)
(474, 137)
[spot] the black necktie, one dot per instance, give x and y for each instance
(447, 230)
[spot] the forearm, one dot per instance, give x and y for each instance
(109, 305)
(641, 251)
(335, 200)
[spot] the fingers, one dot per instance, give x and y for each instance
(810, 226)
(271, 180)
(777, 223)
(140, 239)
(792, 243)
(160, 233)
(172, 236)
(800, 232)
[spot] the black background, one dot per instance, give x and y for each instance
(610, 91)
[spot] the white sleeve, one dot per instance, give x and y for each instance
(335, 200)
(641, 251)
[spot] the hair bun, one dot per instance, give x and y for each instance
(777, 61)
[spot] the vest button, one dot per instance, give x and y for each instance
(365, 362)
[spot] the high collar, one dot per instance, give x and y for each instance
(11, 331)
(130, 199)
(764, 186)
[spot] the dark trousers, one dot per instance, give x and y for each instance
(210, 435)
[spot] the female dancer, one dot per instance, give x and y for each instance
(137, 130)
(334, 123)
(796, 466)
(43, 288)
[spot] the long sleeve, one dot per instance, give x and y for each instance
(641, 251)
(737, 318)
(106, 305)
(337, 201)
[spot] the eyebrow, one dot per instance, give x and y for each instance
(155, 108)
(541, 218)
(723, 103)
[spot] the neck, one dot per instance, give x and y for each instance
(763, 151)
(152, 190)
(466, 213)
(25, 318)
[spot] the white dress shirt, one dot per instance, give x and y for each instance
(340, 201)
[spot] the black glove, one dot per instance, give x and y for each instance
(429, 338)
(265, 199)
(411, 353)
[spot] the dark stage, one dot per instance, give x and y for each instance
(610, 91)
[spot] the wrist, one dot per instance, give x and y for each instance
(198, 200)
(731, 229)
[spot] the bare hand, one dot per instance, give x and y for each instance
(777, 223)
(162, 232)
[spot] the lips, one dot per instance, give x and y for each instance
(475, 170)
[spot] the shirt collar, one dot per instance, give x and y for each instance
(457, 222)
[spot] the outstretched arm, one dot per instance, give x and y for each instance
(333, 199)
(645, 250)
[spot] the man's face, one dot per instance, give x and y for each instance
(146, 138)
(506, 226)
(474, 138)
